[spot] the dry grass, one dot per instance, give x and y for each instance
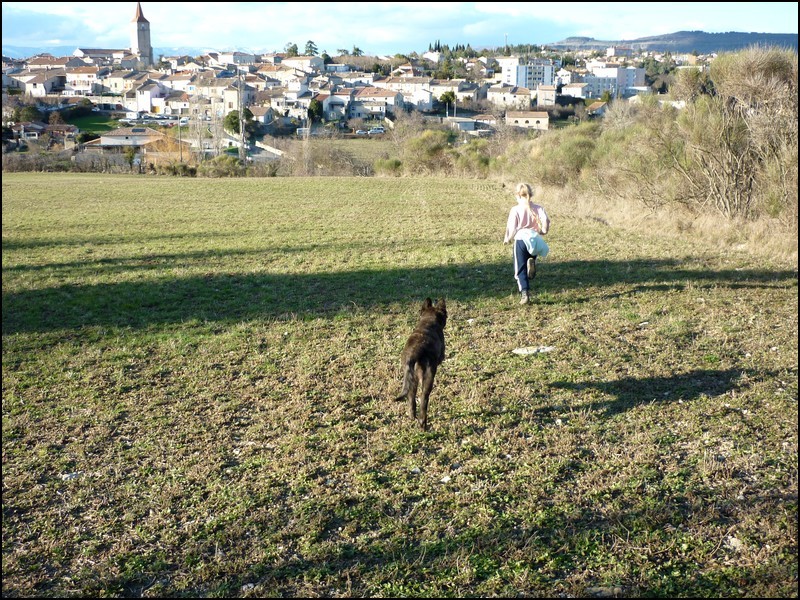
(770, 239)
(197, 384)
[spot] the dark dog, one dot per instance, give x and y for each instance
(422, 355)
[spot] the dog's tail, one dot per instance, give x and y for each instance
(409, 381)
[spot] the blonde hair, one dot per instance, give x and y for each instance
(524, 190)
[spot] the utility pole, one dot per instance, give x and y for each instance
(242, 151)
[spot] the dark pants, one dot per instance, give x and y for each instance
(521, 256)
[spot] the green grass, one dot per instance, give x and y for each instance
(197, 384)
(95, 123)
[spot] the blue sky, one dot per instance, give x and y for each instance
(376, 28)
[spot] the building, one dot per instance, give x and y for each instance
(509, 97)
(527, 119)
(140, 37)
(546, 95)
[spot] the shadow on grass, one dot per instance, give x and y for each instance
(408, 566)
(224, 297)
(632, 391)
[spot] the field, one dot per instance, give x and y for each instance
(197, 398)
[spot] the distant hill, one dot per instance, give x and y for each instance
(682, 42)
(685, 42)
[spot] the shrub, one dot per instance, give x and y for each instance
(389, 166)
(221, 166)
(429, 153)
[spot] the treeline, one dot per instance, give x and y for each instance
(724, 140)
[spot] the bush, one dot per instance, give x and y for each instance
(221, 166)
(180, 169)
(389, 166)
(429, 153)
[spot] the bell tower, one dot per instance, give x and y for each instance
(140, 37)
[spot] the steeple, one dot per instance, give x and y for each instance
(140, 37)
(139, 17)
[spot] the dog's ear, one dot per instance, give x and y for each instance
(440, 305)
(427, 304)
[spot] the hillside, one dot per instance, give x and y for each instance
(686, 41)
(681, 41)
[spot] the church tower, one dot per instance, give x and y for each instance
(140, 37)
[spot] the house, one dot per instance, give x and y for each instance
(174, 103)
(117, 140)
(509, 97)
(183, 81)
(546, 95)
(624, 51)
(263, 114)
(405, 85)
(357, 78)
(64, 133)
(408, 70)
(485, 124)
(527, 119)
(236, 58)
(85, 81)
(28, 130)
(563, 77)
(148, 145)
(119, 82)
(576, 90)
(375, 102)
(38, 84)
(336, 105)
(97, 56)
(464, 91)
(421, 99)
(284, 74)
(597, 109)
(46, 62)
(461, 124)
(307, 64)
(143, 98)
(231, 99)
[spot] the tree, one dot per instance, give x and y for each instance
(448, 98)
(29, 113)
(231, 122)
(315, 110)
(357, 51)
(311, 48)
(291, 49)
(55, 118)
(130, 156)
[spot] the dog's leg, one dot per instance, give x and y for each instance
(412, 390)
(427, 386)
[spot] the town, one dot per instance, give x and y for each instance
(232, 100)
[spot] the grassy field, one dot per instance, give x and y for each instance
(197, 384)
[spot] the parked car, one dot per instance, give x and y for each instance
(376, 131)
(361, 132)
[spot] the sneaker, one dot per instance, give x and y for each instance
(532, 267)
(523, 297)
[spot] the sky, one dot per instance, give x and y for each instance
(376, 28)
